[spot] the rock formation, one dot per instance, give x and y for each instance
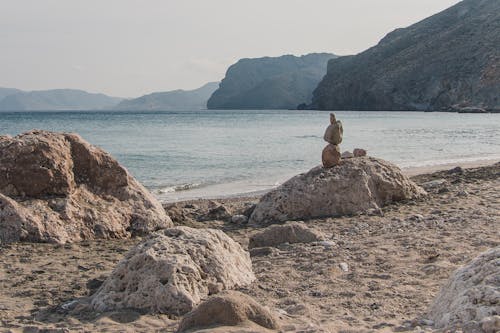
(356, 185)
(228, 309)
(270, 82)
(58, 188)
(333, 135)
(449, 61)
(291, 232)
(173, 270)
(471, 295)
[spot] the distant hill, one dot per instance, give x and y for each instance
(171, 100)
(448, 61)
(7, 91)
(271, 82)
(58, 99)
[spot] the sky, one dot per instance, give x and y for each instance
(128, 48)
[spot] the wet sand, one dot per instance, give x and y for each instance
(396, 263)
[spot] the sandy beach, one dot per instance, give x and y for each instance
(396, 262)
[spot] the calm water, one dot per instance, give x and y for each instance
(206, 153)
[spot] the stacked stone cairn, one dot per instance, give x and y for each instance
(333, 135)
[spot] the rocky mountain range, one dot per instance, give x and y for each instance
(56, 99)
(270, 82)
(171, 100)
(449, 61)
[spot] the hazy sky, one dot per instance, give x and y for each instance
(132, 47)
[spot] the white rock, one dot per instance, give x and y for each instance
(239, 219)
(344, 267)
(173, 270)
(357, 185)
(471, 294)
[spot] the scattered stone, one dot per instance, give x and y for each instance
(357, 185)
(433, 184)
(347, 154)
(491, 324)
(359, 152)
(291, 232)
(239, 219)
(220, 213)
(66, 190)
(457, 169)
(471, 294)
(173, 270)
(263, 251)
(344, 267)
(249, 210)
(463, 193)
(331, 156)
(228, 309)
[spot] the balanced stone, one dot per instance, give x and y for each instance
(331, 156)
(334, 132)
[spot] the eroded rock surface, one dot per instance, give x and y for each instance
(471, 294)
(173, 270)
(292, 232)
(67, 190)
(356, 185)
(228, 309)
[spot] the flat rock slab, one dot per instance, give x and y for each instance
(173, 270)
(356, 185)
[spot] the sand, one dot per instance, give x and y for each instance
(396, 264)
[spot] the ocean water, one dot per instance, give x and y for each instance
(180, 155)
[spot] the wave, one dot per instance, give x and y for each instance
(179, 188)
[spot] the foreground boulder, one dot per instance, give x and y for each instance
(63, 190)
(292, 232)
(228, 309)
(356, 185)
(173, 270)
(471, 296)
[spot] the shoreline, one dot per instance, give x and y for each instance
(243, 189)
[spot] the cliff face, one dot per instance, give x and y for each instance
(448, 61)
(270, 83)
(176, 100)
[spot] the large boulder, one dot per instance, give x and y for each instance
(292, 232)
(66, 190)
(228, 309)
(471, 295)
(356, 185)
(173, 270)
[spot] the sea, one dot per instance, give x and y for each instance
(217, 153)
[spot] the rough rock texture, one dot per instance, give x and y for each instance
(356, 185)
(292, 232)
(359, 152)
(450, 60)
(270, 82)
(228, 309)
(67, 190)
(331, 156)
(173, 270)
(471, 294)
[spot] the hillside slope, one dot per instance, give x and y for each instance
(270, 82)
(448, 61)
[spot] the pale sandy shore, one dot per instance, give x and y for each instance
(396, 262)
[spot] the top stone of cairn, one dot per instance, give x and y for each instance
(334, 132)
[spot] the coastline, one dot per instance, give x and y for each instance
(257, 188)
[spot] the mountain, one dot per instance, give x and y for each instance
(7, 91)
(58, 99)
(171, 100)
(270, 82)
(448, 61)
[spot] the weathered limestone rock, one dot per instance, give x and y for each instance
(67, 190)
(358, 152)
(357, 185)
(173, 270)
(471, 294)
(331, 156)
(228, 309)
(291, 232)
(334, 132)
